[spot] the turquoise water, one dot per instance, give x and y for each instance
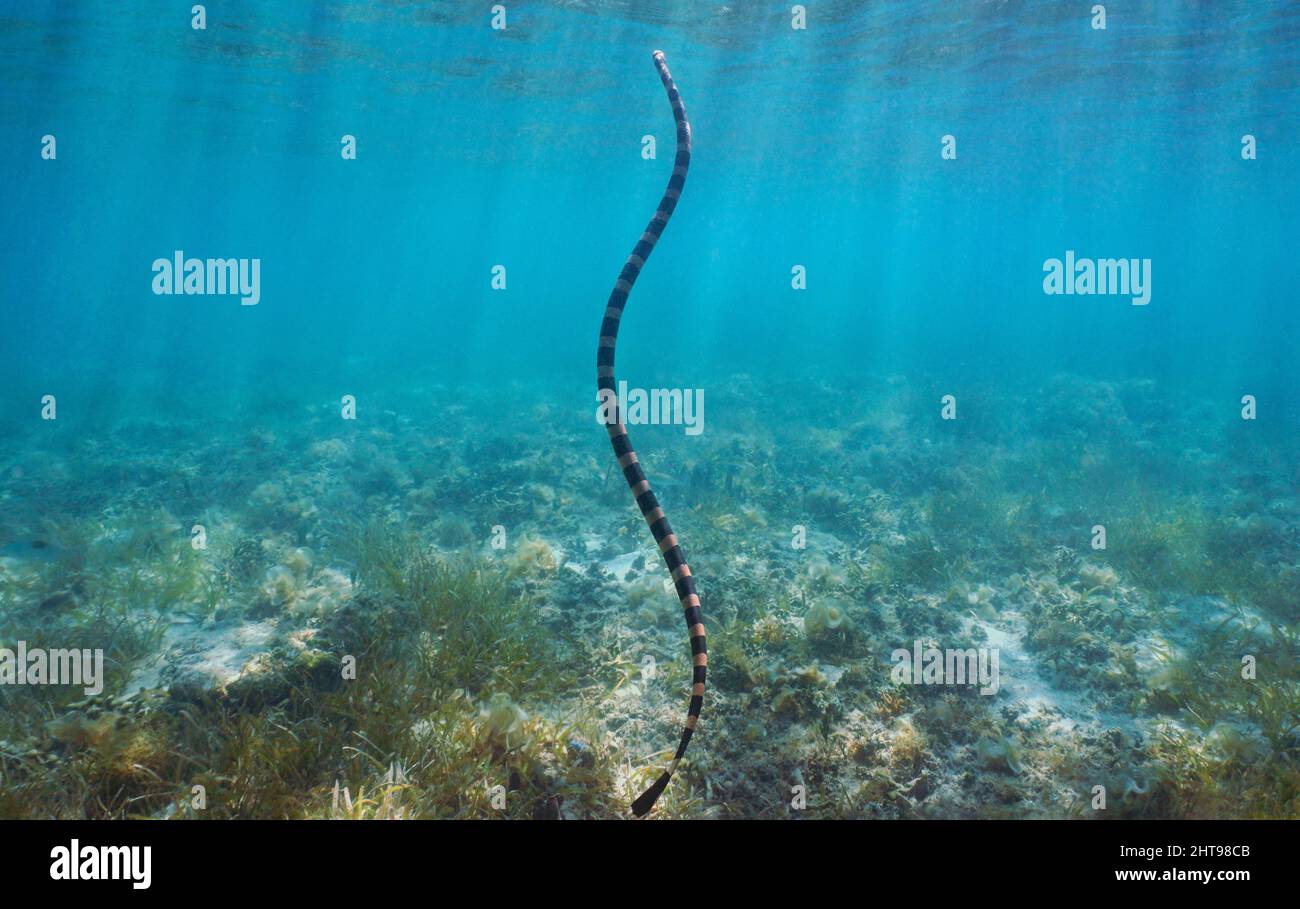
(820, 147)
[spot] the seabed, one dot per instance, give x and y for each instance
(420, 613)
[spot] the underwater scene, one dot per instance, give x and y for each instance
(993, 510)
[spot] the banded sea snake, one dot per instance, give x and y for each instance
(606, 387)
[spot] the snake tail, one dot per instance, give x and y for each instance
(606, 387)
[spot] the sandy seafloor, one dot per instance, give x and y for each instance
(1119, 668)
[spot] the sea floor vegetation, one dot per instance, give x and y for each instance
(425, 613)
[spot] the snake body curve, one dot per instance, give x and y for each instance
(606, 387)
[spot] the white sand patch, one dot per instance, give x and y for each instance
(213, 656)
(1020, 680)
(618, 565)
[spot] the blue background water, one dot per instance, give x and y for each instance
(477, 147)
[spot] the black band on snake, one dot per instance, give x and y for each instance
(606, 387)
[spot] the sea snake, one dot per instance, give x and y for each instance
(674, 558)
